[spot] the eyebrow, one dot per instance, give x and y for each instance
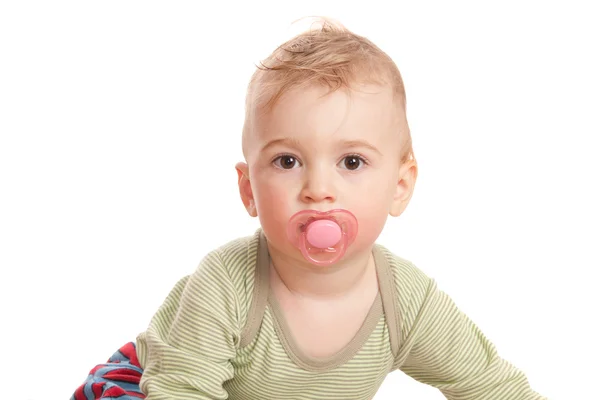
(360, 143)
(283, 142)
(292, 142)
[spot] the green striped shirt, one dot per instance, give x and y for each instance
(220, 334)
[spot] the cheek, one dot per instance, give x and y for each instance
(272, 204)
(372, 211)
(370, 224)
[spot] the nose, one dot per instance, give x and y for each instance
(318, 187)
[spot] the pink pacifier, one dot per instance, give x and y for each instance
(322, 237)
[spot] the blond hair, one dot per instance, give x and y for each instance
(331, 56)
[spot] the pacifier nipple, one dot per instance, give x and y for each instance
(323, 233)
(322, 237)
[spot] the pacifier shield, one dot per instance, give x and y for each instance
(322, 237)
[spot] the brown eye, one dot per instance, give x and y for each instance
(286, 162)
(352, 162)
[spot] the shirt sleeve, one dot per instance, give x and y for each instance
(446, 350)
(187, 348)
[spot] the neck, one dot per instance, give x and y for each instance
(305, 280)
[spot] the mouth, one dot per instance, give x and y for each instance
(302, 226)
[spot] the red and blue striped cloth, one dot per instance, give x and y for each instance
(118, 378)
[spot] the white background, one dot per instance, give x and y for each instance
(120, 126)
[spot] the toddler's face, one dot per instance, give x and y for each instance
(321, 153)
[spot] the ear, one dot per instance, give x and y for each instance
(407, 177)
(246, 195)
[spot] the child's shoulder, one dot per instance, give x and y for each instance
(407, 277)
(233, 266)
(396, 262)
(406, 287)
(241, 249)
(236, 252)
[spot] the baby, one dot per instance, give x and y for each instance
(309, 306)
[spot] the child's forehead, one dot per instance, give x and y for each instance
(363, 113)
(314, 97)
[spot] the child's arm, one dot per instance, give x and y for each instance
(186, 349)
(445, 349)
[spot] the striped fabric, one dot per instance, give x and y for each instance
(118, 378)
(221, 334)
